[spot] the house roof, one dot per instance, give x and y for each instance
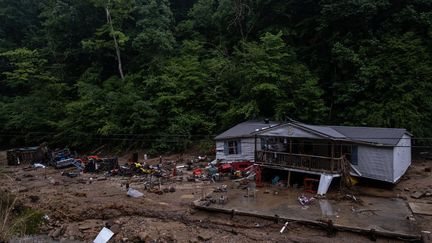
(245, 129)
(371, 135)
(376, 135)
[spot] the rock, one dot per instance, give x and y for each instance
(417, 195)
(406, 189)
(52, 181)
(109, 223)
(73, 231)
(87, 225)
(125, 239)
(115, 228)
(56, 233)
(143, 236)
(34, 198)
(80, 194)
(203, 236)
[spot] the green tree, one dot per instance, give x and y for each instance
(154, 24)
(36, 97)
(274, 84)
(396, 84)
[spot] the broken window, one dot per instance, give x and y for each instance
(232, 147)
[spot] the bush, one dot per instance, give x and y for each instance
(15, 219)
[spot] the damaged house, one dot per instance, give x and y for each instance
(238, 142)
(382, 154)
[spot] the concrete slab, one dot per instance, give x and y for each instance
(421, 208)
(388, 217)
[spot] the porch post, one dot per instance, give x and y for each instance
(289, 179)
(255, 150)
(290, 153)
(332, 156)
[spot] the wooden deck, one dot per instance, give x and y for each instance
(299, 161)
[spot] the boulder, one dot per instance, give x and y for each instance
(203, 236)
(115, 228)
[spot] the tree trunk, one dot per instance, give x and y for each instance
(109, 21)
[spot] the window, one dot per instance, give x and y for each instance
(232, 147)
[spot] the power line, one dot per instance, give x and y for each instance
(193, 135)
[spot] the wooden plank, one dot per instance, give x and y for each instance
(421, 208)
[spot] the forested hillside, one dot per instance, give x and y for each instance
(162, 73)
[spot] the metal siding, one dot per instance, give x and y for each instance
(375, 163)
(247, 150)
(401, 157)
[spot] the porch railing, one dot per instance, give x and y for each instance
(299, 161)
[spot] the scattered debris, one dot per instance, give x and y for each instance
(304, 200)
(426, 236)
(38, 165)
(421, 208)
(351, 197)
(417, 194)
(104, 236)
(283, 228)
(134, 193)
(69, 174)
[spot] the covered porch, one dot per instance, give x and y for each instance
(296, 147)
(304, 154)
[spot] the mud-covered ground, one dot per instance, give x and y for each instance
(79, 207)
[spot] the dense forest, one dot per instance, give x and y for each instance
(161, 74)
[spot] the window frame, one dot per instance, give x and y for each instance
(232, 147)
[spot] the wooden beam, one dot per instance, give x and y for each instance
(289, 179)
(332, 156)
(255, 151)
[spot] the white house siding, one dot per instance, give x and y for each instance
(247, 150)
(401, 157)
(375, 162)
